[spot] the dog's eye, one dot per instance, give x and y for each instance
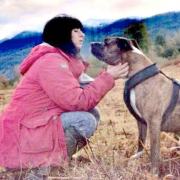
(106, 43)
(110, 51)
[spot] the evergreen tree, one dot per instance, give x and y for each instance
(160, 40)
(138, 31)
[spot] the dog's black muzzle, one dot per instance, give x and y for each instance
(97, 49)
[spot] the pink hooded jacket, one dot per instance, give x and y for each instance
(31, 133)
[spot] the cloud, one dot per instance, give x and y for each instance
(20, 15)
(144, 8)
(13, 10)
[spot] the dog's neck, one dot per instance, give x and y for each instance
(137, 61)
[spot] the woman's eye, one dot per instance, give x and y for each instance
(75, 30)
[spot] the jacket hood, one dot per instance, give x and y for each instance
(36, 53)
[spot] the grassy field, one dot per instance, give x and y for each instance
(107, 155)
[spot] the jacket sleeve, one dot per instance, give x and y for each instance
(64, 89)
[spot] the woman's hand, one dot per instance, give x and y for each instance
(118, 71)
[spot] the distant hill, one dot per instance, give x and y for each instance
(98, 22)
(14, 50)
(163, 24)
(2, 40)
(21, 41)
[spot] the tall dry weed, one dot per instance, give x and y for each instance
(3, 82)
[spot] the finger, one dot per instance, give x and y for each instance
(109, 67)
(126, 69)
(122, 66)
(125, 65)
(125, 72)
(123, 75)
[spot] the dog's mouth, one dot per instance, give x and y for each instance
(98, 50)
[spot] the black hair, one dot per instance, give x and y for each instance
(57, 32)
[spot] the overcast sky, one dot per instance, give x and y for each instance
(19, 15)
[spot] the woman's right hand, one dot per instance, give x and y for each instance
(118, 71)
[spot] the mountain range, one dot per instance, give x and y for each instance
(98, 22)
(14, 50)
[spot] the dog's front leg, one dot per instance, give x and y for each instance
(154, 131)
(141, 140)
(142, 136)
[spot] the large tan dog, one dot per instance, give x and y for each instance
(152, 96)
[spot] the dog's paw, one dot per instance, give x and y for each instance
(137, 155)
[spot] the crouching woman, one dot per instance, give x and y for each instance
(52, 111)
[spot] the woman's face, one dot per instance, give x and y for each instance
(77, 38)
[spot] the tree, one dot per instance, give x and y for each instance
(138, 31)
(168, 46)
(171, 52)
(159, 50)
(160, 40)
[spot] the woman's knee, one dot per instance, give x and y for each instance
(86, 125)
(84, 122)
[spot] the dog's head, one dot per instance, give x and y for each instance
(111, 49)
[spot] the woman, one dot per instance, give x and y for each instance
(50, 115)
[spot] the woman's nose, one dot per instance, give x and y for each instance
(82, 34)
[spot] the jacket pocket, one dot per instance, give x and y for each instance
(36, 139)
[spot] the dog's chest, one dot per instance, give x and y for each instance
(133, 102)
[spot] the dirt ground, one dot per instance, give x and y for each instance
(107, 155)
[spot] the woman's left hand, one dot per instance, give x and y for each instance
(119, 71)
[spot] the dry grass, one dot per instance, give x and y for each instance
(107, 155)
(5, 96)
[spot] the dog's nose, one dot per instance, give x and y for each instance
(95, 44)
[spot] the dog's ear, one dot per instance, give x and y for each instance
(125, 44)
(135, 44)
